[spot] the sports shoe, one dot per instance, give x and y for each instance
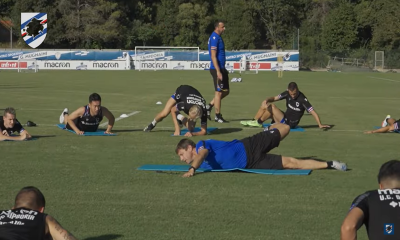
(220, 119)
(209, 108)
(339, 166)
(148, 128)
(254, 124)
(245, 122)
(385, 123)
(65, 111)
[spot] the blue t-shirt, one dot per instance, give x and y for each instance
(215, 42)
(223, 155)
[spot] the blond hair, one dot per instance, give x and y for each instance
(196, 111)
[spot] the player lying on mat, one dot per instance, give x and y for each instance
(377, 209)
(388, 125)
(296, 103)
(9, 124)
(189, 100)
(250, 152)
(88, 118)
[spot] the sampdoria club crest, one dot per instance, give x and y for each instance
(34, 28)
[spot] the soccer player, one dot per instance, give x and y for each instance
(27, 220)
(9, 124)
(296, 103)
(378, 210)
(216, 50)
(88, 118)
(189, 100)
(388, 125)
(250, 152)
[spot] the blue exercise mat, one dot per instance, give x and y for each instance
(97, 133)
(185, 168)
(297, 129)
(197, 129)
(397, 131)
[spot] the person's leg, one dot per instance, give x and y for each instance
(276, 113)
(161, 115)
(221, 91)
(293, 163)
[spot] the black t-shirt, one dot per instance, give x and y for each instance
(295, 107)
(17, 127)
(381, 210)
(22, 224)
(88, 122)
(187, 96)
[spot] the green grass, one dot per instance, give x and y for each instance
(93, 188)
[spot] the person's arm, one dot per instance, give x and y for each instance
(214, 47)
(22, 132)
(57, 232)
(14, 138)
(316, 117)
(197, 161)
(77, 113)
(276, 98)
(176, 124)
(111, 119)
(382, 130)
(351, 224)
(203, 125)
(359, 212)
(202, 132)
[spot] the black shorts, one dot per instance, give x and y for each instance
(292, 123)
(257, 148)
(82, 127)
(218, 84)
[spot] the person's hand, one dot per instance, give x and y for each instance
(369, 132)
(324, 126)
(108, 132)
(188, 134)
(80, 132)
(190, 173)
(219, 75)
(177, 133)
(5, 133)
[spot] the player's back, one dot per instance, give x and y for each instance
(223, 154)
(22, 224)
(381, 213)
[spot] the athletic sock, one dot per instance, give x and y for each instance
(65, 113)
(180, 117)
(154, 122)
(218, 115)
(260, 121)
(330, 165)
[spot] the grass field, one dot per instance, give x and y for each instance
(93, 188)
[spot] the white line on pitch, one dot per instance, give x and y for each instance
(386, 79)
(117, 119)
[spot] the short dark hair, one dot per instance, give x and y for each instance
(293, 86)
(216, 23)
(184, 144)
(37, 201)
(9, 110)
(94, 97)
(389, 170)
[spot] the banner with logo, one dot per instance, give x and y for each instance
(66, 65)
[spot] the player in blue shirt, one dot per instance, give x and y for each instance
(216, 50)
(250, 152)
